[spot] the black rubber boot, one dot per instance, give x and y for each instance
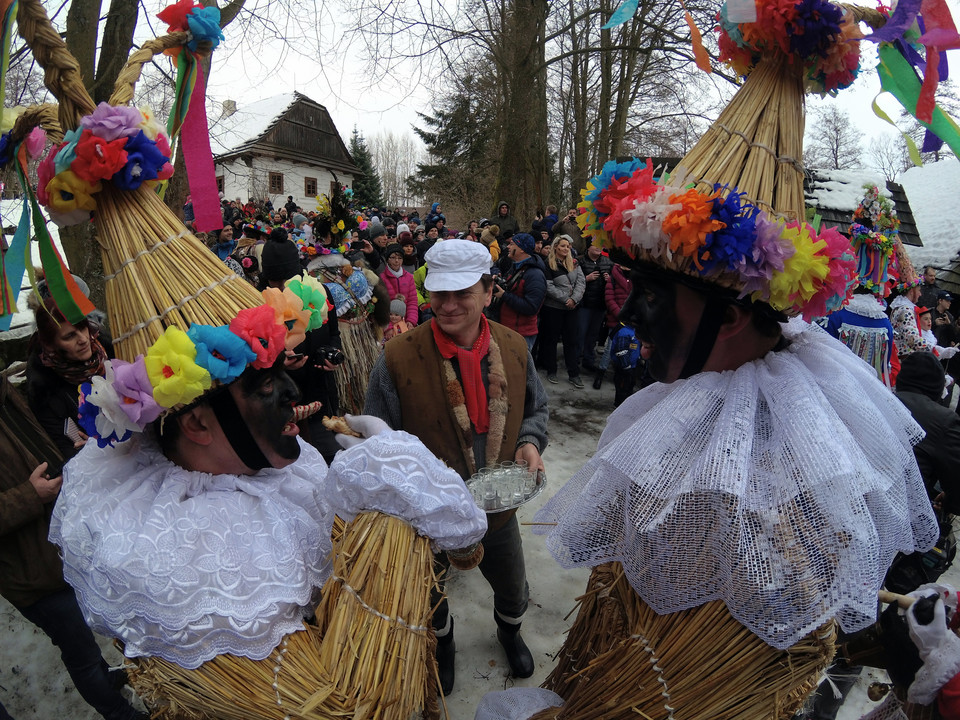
(518, 654)
(446, 652)
(598, 380)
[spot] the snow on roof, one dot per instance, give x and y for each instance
(10, 215)
(842, 189)
(248, 123)
(934, 192)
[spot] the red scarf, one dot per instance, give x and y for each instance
(474, 392)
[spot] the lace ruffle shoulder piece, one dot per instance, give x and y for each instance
(866, 305)
(187, 565)
(395, 473)
(784, 488)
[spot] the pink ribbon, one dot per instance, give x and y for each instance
(199, 160)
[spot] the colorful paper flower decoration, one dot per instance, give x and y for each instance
(721, 237)
(221, 353)
(133, 387)
(119, 145)
(819, 37)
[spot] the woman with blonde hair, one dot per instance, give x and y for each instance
(558, 317)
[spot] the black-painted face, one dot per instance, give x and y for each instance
(266, 399)
(665, 315)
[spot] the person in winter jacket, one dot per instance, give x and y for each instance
(596, 269)
(568, 226)
(558, 317)
(615, 296)
(488, 236)
(505, 221)
(435, 215)
(399, 282)
(521, 291)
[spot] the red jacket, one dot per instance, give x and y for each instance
(616, 294)
(405, 286)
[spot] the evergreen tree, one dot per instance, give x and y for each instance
(367, 190)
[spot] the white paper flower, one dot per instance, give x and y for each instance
(645, 222)
(111, 418)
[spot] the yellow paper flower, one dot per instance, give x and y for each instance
(151, 128)
(68, 193)
(803, 272)
(289, 312)
(340, 225)
(175, 377)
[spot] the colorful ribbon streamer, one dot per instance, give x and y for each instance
(622, 14)
(64, 290)
(8, 12)
(898, 78)
(199, 161)
(14, 262)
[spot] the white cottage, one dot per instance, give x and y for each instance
(284, 145)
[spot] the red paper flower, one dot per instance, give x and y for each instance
(98, 159)
(259, 327)
(175, 16)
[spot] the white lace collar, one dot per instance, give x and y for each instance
(784, 488)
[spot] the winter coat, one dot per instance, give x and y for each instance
(507, 223)
(433, 215)
(594, 294)
(570, 227)
(526, 288)
(403, 285)
(615, 295)
(30, 567)
(563, 285)
(938, 454)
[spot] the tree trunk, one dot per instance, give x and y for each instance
(117, 40)
(524, 178)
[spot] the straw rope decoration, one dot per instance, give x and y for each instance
(371, 653)
(622, 660)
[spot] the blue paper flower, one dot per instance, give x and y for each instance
(815, 28)
(205, 26)
(68, 152)
(87, 417)
(6, 148)
(144, 161)
(221, 353)
(725, 249)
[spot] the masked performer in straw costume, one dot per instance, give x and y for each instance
(196, 526)
(758, 492)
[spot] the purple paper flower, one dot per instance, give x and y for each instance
(770, 251)
(113, 121)
(136, 393)
(144, 162)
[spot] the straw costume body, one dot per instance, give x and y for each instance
(179, 315)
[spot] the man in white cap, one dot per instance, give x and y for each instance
(467, 387)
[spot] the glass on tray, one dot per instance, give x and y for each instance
(504, 486)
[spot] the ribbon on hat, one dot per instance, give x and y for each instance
(8, 11)
(197, 156)
(14, 263)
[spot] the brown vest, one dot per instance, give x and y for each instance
(415, 366)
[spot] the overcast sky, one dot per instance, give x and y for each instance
(336, 80)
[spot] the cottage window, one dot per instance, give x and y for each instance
(310, 187)
(276, 183)
(334, 186)
(219, 183)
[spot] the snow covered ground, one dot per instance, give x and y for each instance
(34, 686)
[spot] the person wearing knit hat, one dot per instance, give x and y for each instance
(280, 258)
(501, 411)
(397, 325)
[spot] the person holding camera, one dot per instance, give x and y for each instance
(593, 308)
(518, 295)
(568, 226)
